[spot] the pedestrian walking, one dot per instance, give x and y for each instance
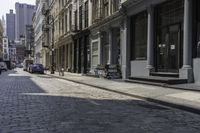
(0, 71)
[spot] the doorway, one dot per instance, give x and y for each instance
(168, 48)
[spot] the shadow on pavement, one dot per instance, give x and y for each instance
(26, 107)
(11, 81)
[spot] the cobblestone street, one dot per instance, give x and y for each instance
(42, 104)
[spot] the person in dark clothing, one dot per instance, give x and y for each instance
(0, 71)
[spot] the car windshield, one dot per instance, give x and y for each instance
(38, 65)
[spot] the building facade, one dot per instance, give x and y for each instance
(62, 12)
(23, 17)
(20, 50)
(105, 33)
(162, 37)
(12, 54)
(10, 26)
(3, 21)
(86, 34)
(82, 47)
(1, 40)
(5, 49)
(144, 38)
(29, 41)
(39, 52)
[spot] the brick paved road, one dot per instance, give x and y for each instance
(41, 104)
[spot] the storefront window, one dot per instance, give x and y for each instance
(94, 54)
(198, 40)
(198, 29)
(139, 36)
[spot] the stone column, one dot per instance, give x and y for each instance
(56, 59)
(125, 47)
(110, 46)
(70, 57)
(150, 39)
(90, 11)
(186, 71)
(64, 58)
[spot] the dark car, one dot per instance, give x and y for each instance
(37, 68)
(3, 66)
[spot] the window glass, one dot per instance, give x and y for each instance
(94, 54)
(170, 12)
(139, 35)
(198, 29)
(86, 14)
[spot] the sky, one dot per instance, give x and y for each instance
(6, 5)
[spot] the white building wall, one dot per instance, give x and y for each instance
(39, 18)
(5, 49)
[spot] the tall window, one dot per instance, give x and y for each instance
(139, 36)
(60, 4)
(198, 29)
(86, 14)
(59, 26)
(114, 5)
(63, 25)
(70, 19)
(105, 8)
(66, 23)
(94, 54)
(96, 12)
(80, 17)
(63, 3)
(75, 17)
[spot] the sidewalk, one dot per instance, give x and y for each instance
(186, 99)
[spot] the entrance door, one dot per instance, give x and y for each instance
(168, 49)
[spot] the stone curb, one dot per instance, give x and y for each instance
(153, 100)
(163, 85)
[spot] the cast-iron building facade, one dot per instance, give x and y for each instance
(146, 38)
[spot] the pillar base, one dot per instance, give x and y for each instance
(186, 72)
(124, 72)
(150, 69)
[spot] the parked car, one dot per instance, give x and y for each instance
(3, 66)
(36, 68)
